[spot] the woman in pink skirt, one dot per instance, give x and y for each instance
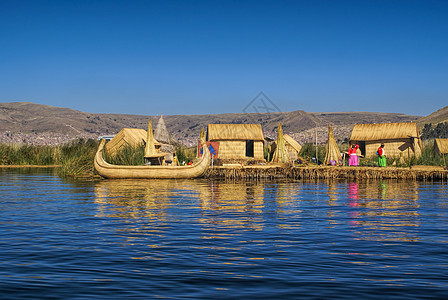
(352, 157)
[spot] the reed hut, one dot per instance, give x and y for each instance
(399, 139)
(441, 146)
(133, 137)
(292, 146)
(237, 141)
(332, 154)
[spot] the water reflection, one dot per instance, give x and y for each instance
(384, 210)
(377, 210)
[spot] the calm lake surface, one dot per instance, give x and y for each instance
(213, 239)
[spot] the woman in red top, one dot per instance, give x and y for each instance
(381, 156)
(353, 158)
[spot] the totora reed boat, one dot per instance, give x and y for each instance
(152, 171)
(146, 172)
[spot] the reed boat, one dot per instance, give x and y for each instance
(108, 170)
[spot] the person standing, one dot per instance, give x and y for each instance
(381, 156)
(352, 156)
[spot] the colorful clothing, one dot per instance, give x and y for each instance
(353, 157)
(381, 157)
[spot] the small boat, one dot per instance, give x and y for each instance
(150, 171)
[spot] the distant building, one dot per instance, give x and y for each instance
(399, 139)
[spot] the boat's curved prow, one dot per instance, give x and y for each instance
(144, 172)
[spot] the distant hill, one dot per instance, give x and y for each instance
(28, 120)
(436, 117)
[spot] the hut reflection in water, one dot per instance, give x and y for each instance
(377, 210)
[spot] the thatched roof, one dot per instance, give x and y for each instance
(442, 145)
(235, 132)
(133, 137)
(292, 142)
(384, 131)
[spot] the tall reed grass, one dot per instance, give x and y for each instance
(13, 154)
(76, 159)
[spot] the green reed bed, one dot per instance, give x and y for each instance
(76, 158)
(11, 154)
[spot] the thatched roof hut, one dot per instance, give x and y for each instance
(332, 154)
(292, 146)
(133, 137)
(398, 139)
(237, 141)
(441, 146)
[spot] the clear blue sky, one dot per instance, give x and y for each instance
(197, 57)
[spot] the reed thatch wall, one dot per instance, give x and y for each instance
(237, 150)
(441, 146)
(392, 148)
(133, 137)
(397, 138)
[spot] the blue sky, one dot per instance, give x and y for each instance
(198, 57)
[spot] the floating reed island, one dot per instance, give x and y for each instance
(424, 173)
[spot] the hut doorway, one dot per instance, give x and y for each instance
(250, 148)
(362, 147)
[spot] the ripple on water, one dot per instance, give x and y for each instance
(204, 239)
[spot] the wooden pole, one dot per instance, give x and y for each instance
(317, 158)
(444, 163)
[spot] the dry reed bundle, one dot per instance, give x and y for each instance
(332, 150)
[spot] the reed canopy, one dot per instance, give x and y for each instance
(161, 133)
(441, 146)
(237, 141)
(133, 137)
(399, 139)
(332, 154)
(280, 155)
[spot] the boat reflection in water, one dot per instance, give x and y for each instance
(378, 210)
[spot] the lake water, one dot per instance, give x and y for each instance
(206, 239)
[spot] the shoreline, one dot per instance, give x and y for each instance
(27, 166)
(418, 172)
(423, 173)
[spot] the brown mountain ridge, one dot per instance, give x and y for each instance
(28, 118)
